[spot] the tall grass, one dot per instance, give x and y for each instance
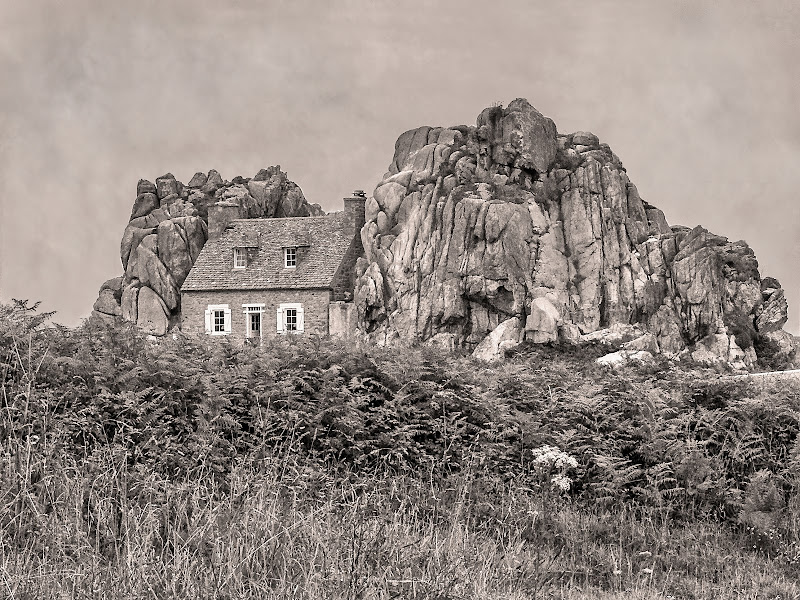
(281, 530)
(132, 470)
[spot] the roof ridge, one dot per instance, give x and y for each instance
(264, 219)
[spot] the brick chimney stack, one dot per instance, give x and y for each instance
(219, 217)
(354, 208)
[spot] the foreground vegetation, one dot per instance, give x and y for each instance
(314, 469)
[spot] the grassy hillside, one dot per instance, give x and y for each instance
(312, 468)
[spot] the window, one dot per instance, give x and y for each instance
(290, 257)
(252, 319)
(218, 319)
(290, 318)
(239, 258)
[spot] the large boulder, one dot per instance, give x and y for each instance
(519, 136)
(131, 239)
(106, 303)
(271, 194)
(130, 302)
(145, 187)
(786, 346)
(115, 285)
(152, 313)
(623, 357)
(543, 321)
(213, 182)
(198, 180)
(505, 336)
(475, 225)
(720, 348)
(151, 272)
(144, 205)
(167, 186)
(773, 312)
(713, 348)
(644, 343)
(179, 243)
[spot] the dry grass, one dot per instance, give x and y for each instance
(281, 529)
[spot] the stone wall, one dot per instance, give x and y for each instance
(342, 319)
(345, 277)
(315, 306)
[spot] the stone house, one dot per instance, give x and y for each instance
(261, 277)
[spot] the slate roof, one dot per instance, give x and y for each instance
(324, 242)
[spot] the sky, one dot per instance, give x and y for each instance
(698, 99)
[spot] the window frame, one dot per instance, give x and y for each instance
(218, 321)
(251, 331)
(286, 252)
(299, 318)
(211, 319)
(290, 313)
(239, 256)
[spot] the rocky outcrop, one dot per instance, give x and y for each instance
(785, 347)
(504, 337)
(622, 357)
(473, 227)
(773, 312)
(167, 229)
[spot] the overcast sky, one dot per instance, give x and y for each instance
(700, 100)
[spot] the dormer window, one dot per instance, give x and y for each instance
(290, 258)
(239, 258)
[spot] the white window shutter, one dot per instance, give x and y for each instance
(208, 320)
(227, 320)
(279, 320)
(300, 319)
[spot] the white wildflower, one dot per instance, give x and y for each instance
(554, 464)
(561, 482)
(550, 456)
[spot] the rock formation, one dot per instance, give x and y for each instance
(169, 226)
(511, 229)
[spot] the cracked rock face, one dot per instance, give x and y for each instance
(169, 226)
(473, 226)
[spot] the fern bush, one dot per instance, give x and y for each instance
(102, 420)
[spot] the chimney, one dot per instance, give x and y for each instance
(219, 217)
(354, 208)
